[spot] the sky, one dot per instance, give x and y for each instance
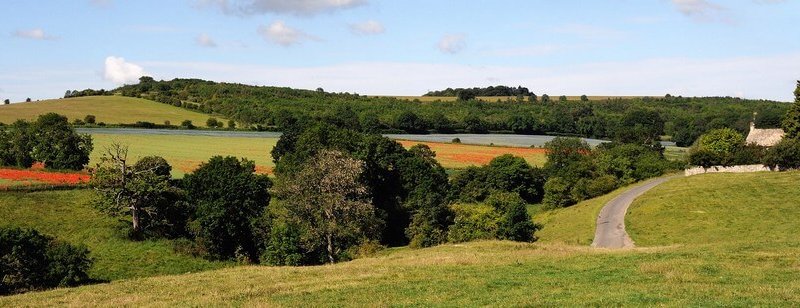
(741, 48)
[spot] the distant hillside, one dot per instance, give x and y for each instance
(684, 119)
(106, 109)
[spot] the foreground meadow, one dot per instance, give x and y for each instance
(682, 262)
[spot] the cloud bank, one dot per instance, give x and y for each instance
(279, 33)
(294, 7)
(452, 43)
(369, 27)
(33, 34)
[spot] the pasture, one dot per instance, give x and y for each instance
(106, 109)
(185, 153)
(754, 262)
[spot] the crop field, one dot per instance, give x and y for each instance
(185, 153)
(458, 156)
(686, 260)
(107, 109)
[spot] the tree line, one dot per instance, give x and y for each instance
(683, 119)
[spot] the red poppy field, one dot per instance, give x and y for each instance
(28, 177)
(457, 156)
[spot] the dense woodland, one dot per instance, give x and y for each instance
(683, 119)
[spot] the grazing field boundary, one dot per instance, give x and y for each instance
(724, 169)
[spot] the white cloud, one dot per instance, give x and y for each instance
(367, 28)
(279, 33)
(702, 10)
(295, 7)
(119, 71)
(769, 77)
(452, 43)
(205, 41)
(34, 34)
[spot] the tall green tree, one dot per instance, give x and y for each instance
(791, 122)
(227, 197)
(640, 126)
(142, 191)
(330, 204)
(57, 145)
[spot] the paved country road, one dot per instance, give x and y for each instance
(610, 232)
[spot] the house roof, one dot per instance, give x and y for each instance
(765, 137)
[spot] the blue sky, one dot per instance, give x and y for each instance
(746, 48)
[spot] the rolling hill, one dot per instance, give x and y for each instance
(107, 109)
(681, 261)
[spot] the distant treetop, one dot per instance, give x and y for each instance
(488, 91)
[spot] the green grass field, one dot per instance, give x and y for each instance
(744, 252)
(185, 153)
(107, 109)
(68, 215)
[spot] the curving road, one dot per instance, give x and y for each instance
(610, 232)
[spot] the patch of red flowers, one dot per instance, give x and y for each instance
(38, 176)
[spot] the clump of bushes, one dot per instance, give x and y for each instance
(576, 172)
(503, 173)
(503, 216)
(784, 156)
(49, 140)
(31, 261)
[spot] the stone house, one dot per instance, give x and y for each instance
(764, 137)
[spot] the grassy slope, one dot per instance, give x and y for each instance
(750, 209)
(107, 109)
(69, 216)
(698, 273)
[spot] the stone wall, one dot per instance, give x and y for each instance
(731, 169)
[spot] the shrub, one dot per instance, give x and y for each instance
(90, 119)
(187, 124)
(515, 223)
(473, 222)
(557, 193)
(723, 141)
(704, 158)
(282, 246)
(32, 261)
(212, 122)
(784, 156)
(456, 140)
